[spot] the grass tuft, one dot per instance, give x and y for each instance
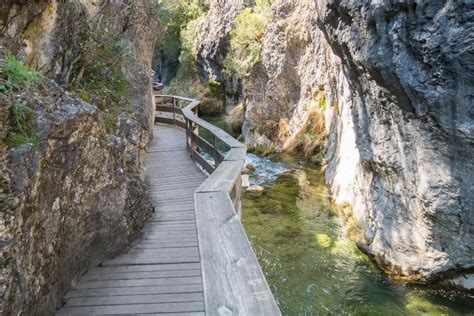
(22, 131)
(17, 75)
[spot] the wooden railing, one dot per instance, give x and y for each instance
(234, 283)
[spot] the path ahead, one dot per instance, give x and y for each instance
(161, 272)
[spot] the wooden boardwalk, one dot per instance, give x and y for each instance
(194, 257)
(161, 272)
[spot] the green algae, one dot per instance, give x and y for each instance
(323, 240)
(307, 279)
(419, 305)
(310, 265)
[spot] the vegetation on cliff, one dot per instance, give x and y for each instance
(176, 48)
(16, 77)
(246, 39)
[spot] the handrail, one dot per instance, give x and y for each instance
(233, 280)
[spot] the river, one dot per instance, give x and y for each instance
(310, 265)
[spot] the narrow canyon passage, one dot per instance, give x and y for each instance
(326, 164)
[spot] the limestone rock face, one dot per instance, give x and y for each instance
(212, 40)
(395, 84)
(79, 196)
(410, 66)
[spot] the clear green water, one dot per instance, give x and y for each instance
(313, 269)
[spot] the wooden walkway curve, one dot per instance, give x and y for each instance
(161, 272)
(193, 257)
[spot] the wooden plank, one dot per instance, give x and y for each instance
(148, 260)
(223, 178)
(164, 228)
(170, 121)
(181, 124)
(203, 162)
(149, 268)
(201, 142)
(159, 119)
(176, 211)
(171, 239)
(133, 309)
(184, 251)
(153, 243)
(164, 238)
(136, 299)
(169, 96)
(188, 288)
(236, 154)
(176, 221)
(172, 216)
(171, 231)
(156, 227)
(223, 136)
(171, 225)
(172, 234)
(139, 275)
(137, 282)
(174, 242)
(165, 108)
(239, 287)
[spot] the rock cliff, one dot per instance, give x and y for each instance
(74, 192)
(213, 41)
(393, 83)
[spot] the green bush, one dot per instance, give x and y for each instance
(22, 131)
(246, 39)
(98, 73)
(177, 44)
(16, 74)
(216, 87)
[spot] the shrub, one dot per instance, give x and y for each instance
(177, 44)
(246, 39)
(216, 88)
(98, 72)
(22, 131)
(210, 105)
(16, 74)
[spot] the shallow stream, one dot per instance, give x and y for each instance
(311, 267)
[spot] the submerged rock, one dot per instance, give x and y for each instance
(250, 166)
(323, 240)
(255, 188)
(422, 306)
(245, 181)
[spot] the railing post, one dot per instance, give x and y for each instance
(174, 112)
(188, 137)
(191, 138)
(215, 153)
(238, 192)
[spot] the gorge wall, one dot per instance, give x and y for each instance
(393, 83)
(74, 192)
